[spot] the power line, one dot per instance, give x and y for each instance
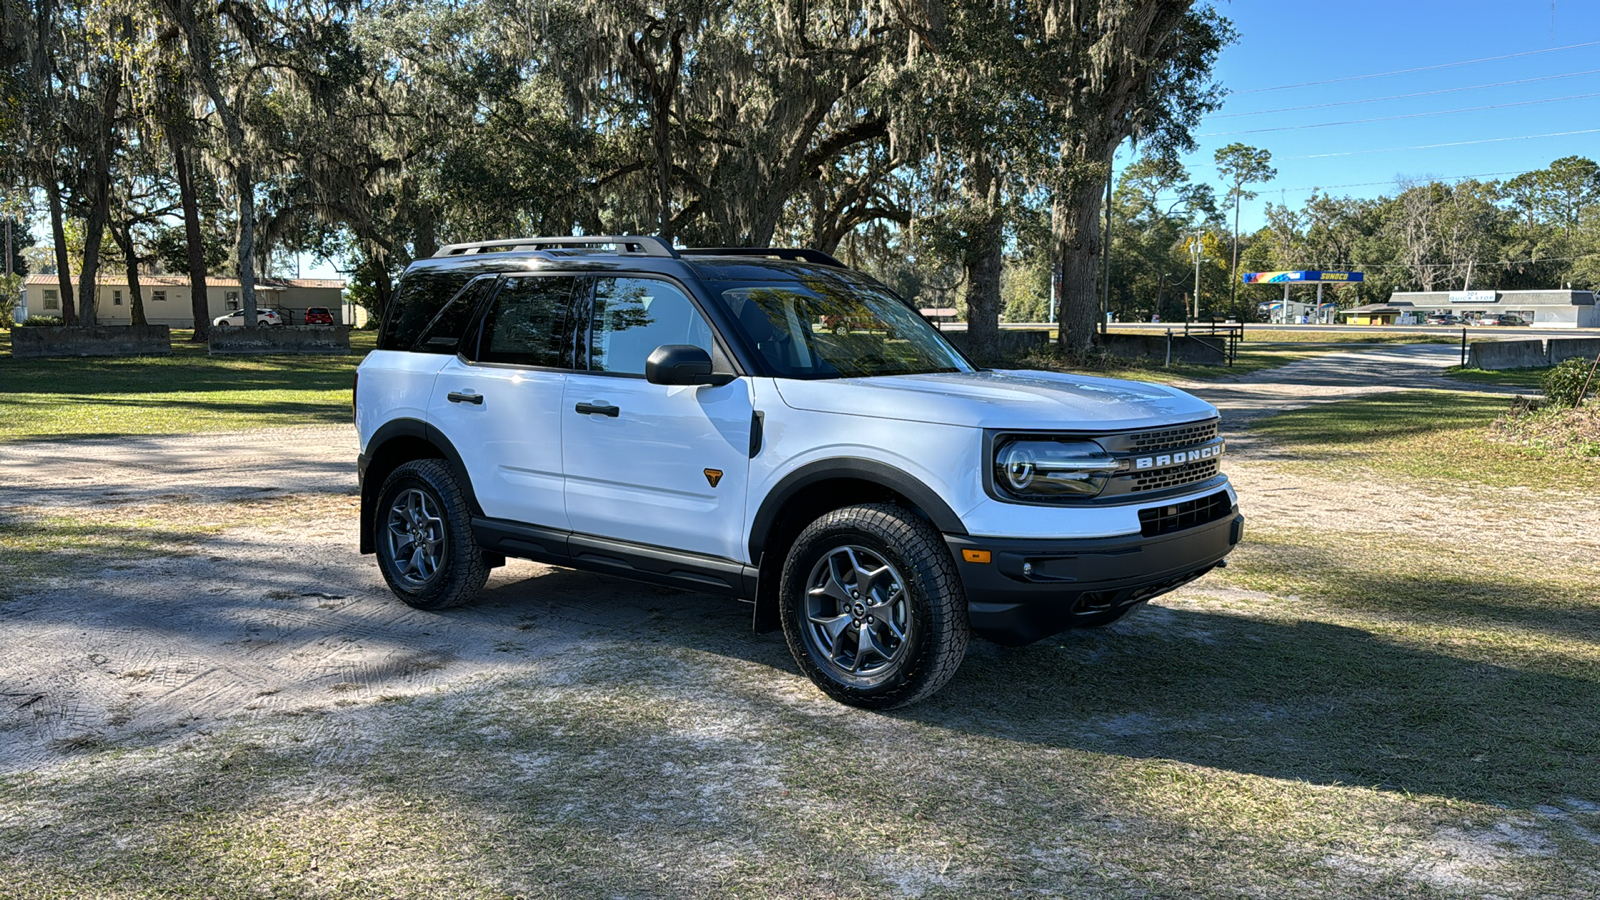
(1324, 187)
(1520, 137)
(1437, 112)
(1465, 62)
(1475, 87)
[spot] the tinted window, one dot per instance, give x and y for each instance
(421, 299)
(444, 333)
(631, 317)
(529, 323)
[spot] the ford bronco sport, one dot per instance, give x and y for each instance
(684, 417)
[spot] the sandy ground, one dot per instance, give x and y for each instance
(263, 620)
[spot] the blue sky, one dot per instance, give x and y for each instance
(1291, 42)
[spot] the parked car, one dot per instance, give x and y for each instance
(1512, 319)
(319, 315)
(1443, 319)
(682, 417)
(235, 319)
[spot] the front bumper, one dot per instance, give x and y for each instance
(1033, 588)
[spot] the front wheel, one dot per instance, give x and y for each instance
(872, 607)
(426, 549)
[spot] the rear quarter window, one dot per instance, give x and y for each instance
(422, 296)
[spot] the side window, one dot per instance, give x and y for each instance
(52, 300)
(422, 297)
(529, 323)
(444, 333)
(631, 317)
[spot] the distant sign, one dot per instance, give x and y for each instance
(1308, 276)
(1474, 296)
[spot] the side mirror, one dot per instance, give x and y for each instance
(682, 364)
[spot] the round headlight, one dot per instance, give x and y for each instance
(1018, 465)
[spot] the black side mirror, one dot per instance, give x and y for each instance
(682, 364)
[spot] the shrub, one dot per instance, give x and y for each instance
(42, 320)
(1563, 384)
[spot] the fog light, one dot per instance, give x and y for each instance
(1027, 568)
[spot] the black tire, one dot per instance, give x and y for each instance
(918, 594)
(421, 506)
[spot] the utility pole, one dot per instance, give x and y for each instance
(1105, 261)
(1196, 250)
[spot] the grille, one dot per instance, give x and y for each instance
(1178, 516)
(1188, 473)
(1167, 438)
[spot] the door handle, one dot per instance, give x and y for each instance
(459, 397)
(604, 409)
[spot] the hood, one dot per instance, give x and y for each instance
(1001, 399)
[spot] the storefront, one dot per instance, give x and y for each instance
(1545, 309)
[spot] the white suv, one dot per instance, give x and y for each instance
(687, 417)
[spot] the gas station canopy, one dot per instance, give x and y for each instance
(1304, 277)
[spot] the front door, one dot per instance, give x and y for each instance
(653, 464)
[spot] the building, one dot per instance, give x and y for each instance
(166, 299)
(1546, 309)
(1391, 313)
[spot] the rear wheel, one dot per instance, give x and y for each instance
(872, 607)
(426, 549)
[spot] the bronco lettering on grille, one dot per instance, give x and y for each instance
(1161, 461)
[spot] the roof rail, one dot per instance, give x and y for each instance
(793, 254)
(626, 244)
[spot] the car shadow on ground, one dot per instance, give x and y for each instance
(1306, 701)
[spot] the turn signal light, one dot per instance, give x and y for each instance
(975, 556)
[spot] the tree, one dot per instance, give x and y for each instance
(1241, 165)
(1119, 68)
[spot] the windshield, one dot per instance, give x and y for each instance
(825, 329)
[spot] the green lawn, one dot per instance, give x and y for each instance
(1528, 378)
(1429, 435)
(186, 392)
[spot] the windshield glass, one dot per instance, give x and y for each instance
(825, 329)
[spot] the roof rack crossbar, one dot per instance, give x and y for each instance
(793, 254)
(629, 244)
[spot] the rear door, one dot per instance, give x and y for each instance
(646, 463)
(499, 401)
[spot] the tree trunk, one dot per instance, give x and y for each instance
(383, 289)
(1077, 226)
(124, 239)
(58, 232)
(94, 228)
(198, 300)
(244, 183)
(982, 261)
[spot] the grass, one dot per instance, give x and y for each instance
(188, 391)
(1421, 435)
(1249, 360)
(1533, 378)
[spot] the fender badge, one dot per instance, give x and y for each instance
(713, 476)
